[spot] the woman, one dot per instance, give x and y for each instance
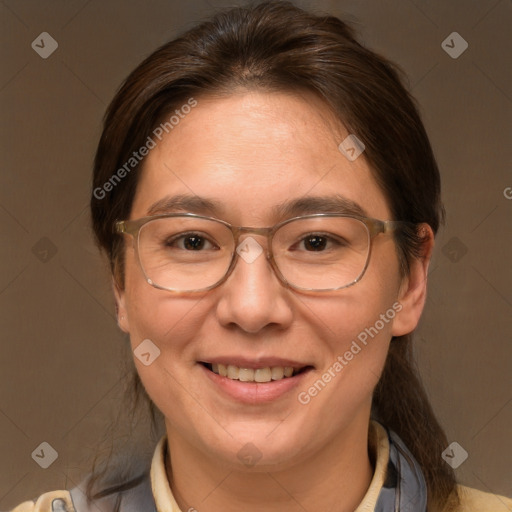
(268, 199)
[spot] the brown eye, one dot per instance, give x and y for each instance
(315, 243)
(190, 242)
(193, 243)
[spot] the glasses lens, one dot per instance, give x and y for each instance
(185, 253)
(322, 253)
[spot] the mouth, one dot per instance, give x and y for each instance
(263, 374)
(254, 381)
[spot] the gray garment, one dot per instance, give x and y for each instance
(405, 489)
(137, 499)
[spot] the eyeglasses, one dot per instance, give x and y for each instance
(185, 252)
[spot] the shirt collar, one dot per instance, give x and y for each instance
(378, 444)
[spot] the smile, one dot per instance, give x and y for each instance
(260, 375)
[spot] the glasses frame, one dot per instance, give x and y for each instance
(373, 226)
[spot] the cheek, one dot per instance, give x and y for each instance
(355, 340)
(354, 328)
(361, 312)
(171, 324)
(168, 320)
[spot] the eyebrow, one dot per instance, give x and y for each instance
(293, 208)
(186, 203)
(318, 204)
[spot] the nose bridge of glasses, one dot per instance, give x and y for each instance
(240, 232)
(249, 250)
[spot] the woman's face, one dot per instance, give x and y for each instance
(250, 153)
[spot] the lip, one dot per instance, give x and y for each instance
(255, 392)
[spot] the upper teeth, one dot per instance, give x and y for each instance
(252, 375)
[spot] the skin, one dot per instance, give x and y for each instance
(252, 151)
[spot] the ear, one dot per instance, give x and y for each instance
(122, 314)
(413, 290)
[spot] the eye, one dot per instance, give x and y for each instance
(317, 242)
(190, 242)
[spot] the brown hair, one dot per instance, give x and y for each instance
(275, 46)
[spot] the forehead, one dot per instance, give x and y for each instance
(253, 151)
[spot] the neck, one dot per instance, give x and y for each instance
(335, 478)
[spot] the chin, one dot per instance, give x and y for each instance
(255, 445)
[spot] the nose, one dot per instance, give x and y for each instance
(253, 298)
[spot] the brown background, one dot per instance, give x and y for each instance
(60, 347)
